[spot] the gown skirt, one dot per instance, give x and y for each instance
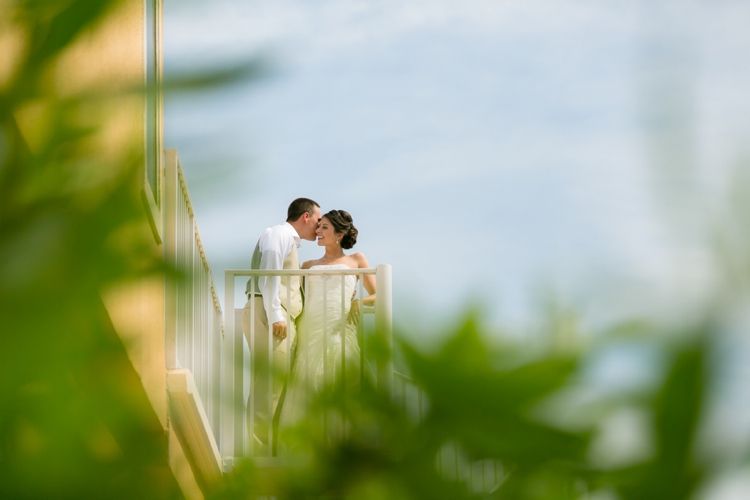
(327, 344)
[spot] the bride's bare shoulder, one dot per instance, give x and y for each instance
(308, 264)
(360, 259)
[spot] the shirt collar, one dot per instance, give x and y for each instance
(297, 240)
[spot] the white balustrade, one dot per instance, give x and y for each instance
(193, 323)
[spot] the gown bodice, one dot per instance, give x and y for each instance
(328, 299)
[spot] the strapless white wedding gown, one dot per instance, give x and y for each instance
(326, 343)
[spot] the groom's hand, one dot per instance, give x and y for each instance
(279, 329)
(354, 313)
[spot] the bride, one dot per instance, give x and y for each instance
(327, 336)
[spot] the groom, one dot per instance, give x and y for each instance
(276, 249)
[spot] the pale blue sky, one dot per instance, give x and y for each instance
(488, 150)
(485, 149)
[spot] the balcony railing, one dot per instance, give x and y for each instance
(193, 326)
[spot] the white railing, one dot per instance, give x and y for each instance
(243, 385)
(194, 326)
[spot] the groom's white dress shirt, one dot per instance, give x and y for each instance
(274, 245)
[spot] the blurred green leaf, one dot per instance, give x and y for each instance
(674, 472)
(212, 78)
(487, 408)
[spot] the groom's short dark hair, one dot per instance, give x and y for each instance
(299, 207)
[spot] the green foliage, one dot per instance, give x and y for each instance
(486, 408)
(677, 407)
(469, 396)
(484, 399)
(75, 421)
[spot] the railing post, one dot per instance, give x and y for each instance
(228, 390)
(170, 257)
(384, 325)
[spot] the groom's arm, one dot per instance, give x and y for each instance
(274, 250)
(270, 285)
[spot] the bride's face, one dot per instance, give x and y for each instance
(326, 234)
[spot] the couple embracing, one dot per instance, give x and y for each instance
(315, 323)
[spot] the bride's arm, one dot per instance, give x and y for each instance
(368, 280)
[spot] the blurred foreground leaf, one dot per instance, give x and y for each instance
(75, 421)
(674, 472)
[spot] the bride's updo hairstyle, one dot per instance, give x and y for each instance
(342, 224)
